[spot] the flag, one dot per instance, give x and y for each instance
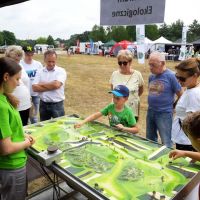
(140, 36)
(182, 55)
(91, 46)
(77, 43)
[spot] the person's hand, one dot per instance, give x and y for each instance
(78, 125)
(27, 143)
(30, 138)
(176, 154)
(119, 126)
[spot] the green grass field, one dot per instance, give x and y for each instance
(87, 84)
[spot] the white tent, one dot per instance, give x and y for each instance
(147, 44)
(162, 40)
(159, 44)
(148, 41)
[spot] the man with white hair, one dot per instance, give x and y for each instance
(162, 87)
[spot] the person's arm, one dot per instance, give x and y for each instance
(111, 86)
(179, 93)
(141, 90)
(8, 147)
(133, 129)
(42, 87)
(141, 84)
(179, 153)
(88, 119)
(132, 126)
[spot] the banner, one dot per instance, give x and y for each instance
(91, 46)
(183, 49)
(132, 12)
(140, 36)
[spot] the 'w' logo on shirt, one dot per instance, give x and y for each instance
(31, 73)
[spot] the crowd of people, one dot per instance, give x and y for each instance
(30, 92)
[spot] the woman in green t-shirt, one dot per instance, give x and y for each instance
(13, 141)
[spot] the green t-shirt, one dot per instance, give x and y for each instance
(125, 117)
(11, 126)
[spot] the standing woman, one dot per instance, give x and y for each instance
(187, 73)
(12, 138)
(129, 77)
(22, 92)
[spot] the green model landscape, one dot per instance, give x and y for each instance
(119, 165)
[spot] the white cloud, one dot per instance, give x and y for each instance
(63, 18)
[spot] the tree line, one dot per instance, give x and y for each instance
(8, 38)
(171, 31)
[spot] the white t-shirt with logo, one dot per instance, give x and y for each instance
(32, 69)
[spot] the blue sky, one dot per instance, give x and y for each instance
(63, 18)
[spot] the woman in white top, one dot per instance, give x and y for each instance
(21, 92)
(187, 72)
(129, 77)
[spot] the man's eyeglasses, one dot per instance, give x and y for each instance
(122, 63)
(182, 79)
(154, 64)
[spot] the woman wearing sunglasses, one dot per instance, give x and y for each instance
(129, 77)
(187, 73)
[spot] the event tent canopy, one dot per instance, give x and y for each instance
(162, 40)
(10, 2)
(196, 42)
(146, 41)
(110, 43)
(124, 44)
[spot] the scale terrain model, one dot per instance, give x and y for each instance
(119, 165)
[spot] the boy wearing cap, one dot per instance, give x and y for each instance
(191, 127)
(32, 67)
(119, 115)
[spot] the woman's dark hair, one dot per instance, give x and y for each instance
(8, 65)
(191, 66)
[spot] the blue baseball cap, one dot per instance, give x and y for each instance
(120, 91)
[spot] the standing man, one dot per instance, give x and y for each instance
(162, 87)
(50, 84)
(32, 67)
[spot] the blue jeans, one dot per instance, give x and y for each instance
(36, 103)
(161, 122)
(51, 110)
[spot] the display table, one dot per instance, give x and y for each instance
(103, 163)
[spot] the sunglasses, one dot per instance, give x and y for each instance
(182, 79)
(122, 63)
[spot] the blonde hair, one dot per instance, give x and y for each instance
(14, 52)
(126, 54)
(190, 65)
